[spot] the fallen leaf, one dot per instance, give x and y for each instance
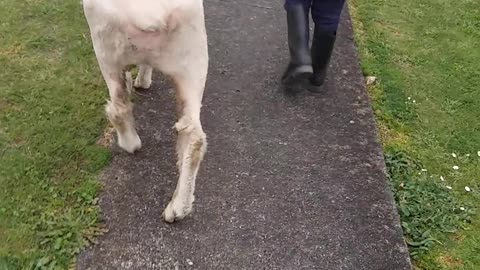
(370, 80)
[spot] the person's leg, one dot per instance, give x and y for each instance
(300, 66)
(326, 16)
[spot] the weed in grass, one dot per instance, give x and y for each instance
(427, 208)
(51, 115)
(426, 51)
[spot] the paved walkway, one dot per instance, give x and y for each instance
(287, 183)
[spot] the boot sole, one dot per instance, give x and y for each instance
(298, 83)
(299, 75)
(314, 88)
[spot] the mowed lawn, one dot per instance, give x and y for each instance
(51, 115)
(426, 57)
(425, 54)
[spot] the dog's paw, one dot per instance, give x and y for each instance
(176, 211)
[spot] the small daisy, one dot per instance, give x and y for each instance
(424, 170)
(454, 155)
(441, 178)
(449, 187)
(462, 208)
(455, 167)
(467, 189)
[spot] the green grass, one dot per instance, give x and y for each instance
(425, 55)
(51, 114)
(51, 97)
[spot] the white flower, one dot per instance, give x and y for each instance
(462, 208)
(455, 167)
(441, 178)
(467, 155)
(454, 155)
(449, 187)
(409, 98)
(467, 189)
(424, 170)
(478, 153)
(414, 101)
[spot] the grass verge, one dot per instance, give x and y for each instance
(50, 118)
(425, 56)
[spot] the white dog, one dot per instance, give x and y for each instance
(167, 35)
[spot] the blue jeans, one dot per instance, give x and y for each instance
(325, 13)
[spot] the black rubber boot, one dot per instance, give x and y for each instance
(322, 48)
(300, 66)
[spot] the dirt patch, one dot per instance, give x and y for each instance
(450, 262)
(106, 140)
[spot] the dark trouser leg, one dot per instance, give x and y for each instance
(326, 16)
(300, 66)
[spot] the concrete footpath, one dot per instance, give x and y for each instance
(289, 182)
